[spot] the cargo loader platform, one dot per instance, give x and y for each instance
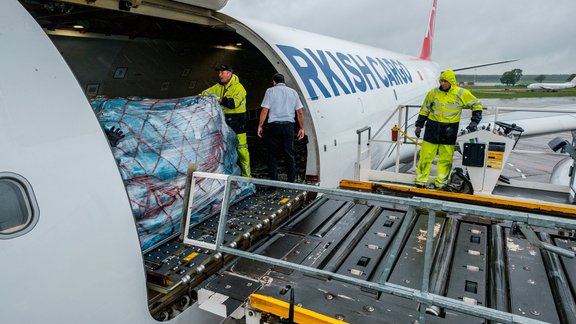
(361, 257)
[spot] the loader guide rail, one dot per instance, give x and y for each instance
(426, 212)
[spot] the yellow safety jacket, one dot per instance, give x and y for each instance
(441, 111)
(233, 103)
(233, 96)
(232, 90)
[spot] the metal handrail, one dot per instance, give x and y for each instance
(401, 123)
(360, 151)
(398, 111)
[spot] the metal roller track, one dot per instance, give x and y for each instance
(474, 260)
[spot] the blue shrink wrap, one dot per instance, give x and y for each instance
(162, 136)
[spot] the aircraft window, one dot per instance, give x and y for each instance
(18, 210)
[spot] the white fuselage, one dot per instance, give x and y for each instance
(345, 86)
(553, 86)
(82, 261)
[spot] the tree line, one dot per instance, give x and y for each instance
(512, 77)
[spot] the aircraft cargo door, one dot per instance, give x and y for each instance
(207, 4)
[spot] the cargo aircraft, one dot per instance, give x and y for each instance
(68, 245)
(553, 86)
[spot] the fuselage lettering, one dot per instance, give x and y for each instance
(331, 74)
(358, 80)
(324, 66)
(374, 64)
(365, 70)
(306, 70)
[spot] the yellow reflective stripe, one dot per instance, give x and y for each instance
(422, 179)
(428, 105)
(442, 178)
(452, 114)
(425, 108)
(437, 107)
(460, 92)
(475, 105)
(233, 111)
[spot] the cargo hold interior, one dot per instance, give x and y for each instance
(117, 53)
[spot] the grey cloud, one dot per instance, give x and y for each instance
(539, 33)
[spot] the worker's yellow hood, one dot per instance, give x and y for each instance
(449, 76)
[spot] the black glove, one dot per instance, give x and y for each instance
(114, 135)
(418, 131)
(473, 126)
(227, 102)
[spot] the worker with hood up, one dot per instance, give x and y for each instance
(440, 113)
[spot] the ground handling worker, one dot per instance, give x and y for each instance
(441, 112)
(232, 98)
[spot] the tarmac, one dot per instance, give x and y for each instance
(536, 167)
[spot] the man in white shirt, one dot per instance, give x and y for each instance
(281, 104)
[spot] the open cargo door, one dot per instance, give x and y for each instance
(207, 4)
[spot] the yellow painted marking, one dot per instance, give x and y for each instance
(281, 308)
(284, 200)
(190, 256)
(353, 184)
(542, 207)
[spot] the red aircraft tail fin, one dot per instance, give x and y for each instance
(427, 43)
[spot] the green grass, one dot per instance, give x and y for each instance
(507, 92)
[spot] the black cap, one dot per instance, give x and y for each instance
(224, 67)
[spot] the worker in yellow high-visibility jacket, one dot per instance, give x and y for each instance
(232, 98)
(441, 112)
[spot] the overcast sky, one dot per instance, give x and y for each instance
(541, 34)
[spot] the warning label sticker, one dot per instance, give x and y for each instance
(495, 160)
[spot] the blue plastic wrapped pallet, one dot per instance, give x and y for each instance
(162, 136)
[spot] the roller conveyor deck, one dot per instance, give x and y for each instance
(475, 260)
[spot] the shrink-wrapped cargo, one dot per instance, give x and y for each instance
(162, 136)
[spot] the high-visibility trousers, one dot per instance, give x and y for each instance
(428, 152)
(243, 155)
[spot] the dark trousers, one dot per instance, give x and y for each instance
(280, 136)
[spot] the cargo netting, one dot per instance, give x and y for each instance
(162, 136)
